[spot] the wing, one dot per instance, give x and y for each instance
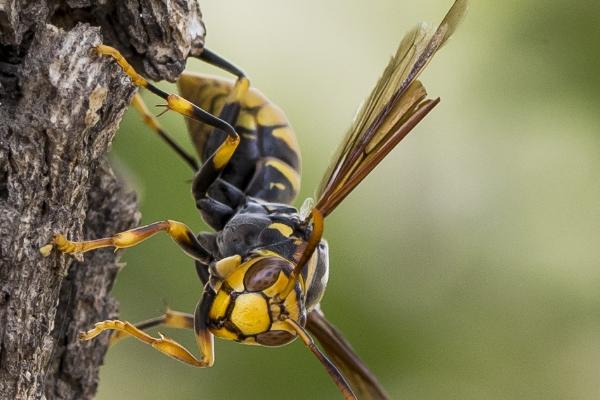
(363, 382)
(396, 105)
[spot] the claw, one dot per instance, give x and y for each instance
(83, 335)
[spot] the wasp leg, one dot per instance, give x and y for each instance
(333, 372)
(170, 319)
(216, 162)
(163, 344)
(313, 242)
(174, 102)
(214, 59)
(214, 211)
(153, 123)
(208, 240)
(179, 232)
(204, 338)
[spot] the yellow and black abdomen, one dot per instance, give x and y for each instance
(266, 163)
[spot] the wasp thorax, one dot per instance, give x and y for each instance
(248, 306)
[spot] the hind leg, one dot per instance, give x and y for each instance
(204, 339)
(152, 122)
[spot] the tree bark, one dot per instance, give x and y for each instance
(60, 106)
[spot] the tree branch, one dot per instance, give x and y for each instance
(60, 107)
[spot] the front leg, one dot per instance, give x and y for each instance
(204, 338)
(179, 232)
(163, 344)
(174, 102)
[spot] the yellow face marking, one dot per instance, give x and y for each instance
(277, 287)
(236, 278)
(225, 151)
(219, 306)
(251, 314)
(286, 135)
(249, 136)
(291, 305)
(283, 228)
(270, 115)
(290, 174)
(223, 333)
(226, 266)
(282, 326)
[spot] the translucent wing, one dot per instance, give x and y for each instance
(361, 379)
(396, 104)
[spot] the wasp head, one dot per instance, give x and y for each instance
(252, 304)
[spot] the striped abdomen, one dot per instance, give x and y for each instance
(266, 163)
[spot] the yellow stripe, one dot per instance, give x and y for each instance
(236, 278)
(277, 185)
(223, 333)
(287, 136)
(283, 228)
(254, 98)
(290, 174)
(224, 152)
(291, 305)
(282, 326)
(225, 266)
(270, 115)
(240, 88)
(219, 305)
(180, 105)
(246, 120)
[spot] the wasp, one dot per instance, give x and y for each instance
(265, 267)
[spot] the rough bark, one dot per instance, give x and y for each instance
(60, 107)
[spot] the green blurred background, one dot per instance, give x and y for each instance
(466, 266)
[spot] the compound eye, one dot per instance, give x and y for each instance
(264, 273)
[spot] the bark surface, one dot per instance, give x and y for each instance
(60, 106)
